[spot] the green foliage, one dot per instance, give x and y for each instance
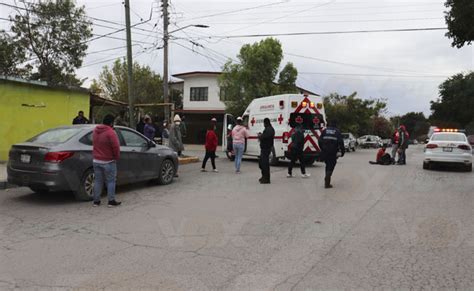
(356, 115)
(382, 127)
(10, 56)
(148, 85)
(287, 79)
(460, 21)
(254, 75)
(455, 106)
(415, 122)
(54, 35)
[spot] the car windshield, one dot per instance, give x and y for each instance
(448, 137)
(55, 136)
(345, 135)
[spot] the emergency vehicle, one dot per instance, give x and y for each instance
(285, 112)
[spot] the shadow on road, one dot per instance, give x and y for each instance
(65, 197)
(447, 168)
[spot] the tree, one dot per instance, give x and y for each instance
(455, 105)
(54, 35)
(10, 56)
(254, 75)
(353, 114)
(148, 85)
(382, 127)
(415, 123)
(460, 21)
(287, 79)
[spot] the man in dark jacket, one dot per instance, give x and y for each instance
(402, 145)
(330, 142)
(80, 118)
(266, 146)
(106, 153)
(296, 151)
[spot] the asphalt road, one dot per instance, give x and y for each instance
(380, 227)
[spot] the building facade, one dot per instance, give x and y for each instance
(201, 102)
(29, 107)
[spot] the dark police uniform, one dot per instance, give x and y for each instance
(330, 143)
(266, 146)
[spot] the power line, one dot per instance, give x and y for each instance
(373, 75)
(237, 10)
(334, 21)
(330, 32)
(196, 52)
(90, 17)
(348, 64)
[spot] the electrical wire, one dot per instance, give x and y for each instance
(238, 10)
(373, 75)
(330, 32)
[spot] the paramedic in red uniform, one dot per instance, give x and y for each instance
(331, 143)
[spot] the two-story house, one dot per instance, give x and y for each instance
(201, 102)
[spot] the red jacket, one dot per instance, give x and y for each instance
(380, 153)
(211, 141)
(106, 145)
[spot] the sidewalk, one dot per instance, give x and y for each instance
(3, 175)
(197, 150)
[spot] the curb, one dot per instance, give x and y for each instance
(188, 160)
(3, 185)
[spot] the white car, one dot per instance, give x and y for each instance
(349, 141)
(448, 147)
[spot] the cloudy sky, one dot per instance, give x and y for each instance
(405, 68)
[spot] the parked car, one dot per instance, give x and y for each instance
(370, 141)
(60, 159)
(387, 142)
(449, 148)
(349, 141)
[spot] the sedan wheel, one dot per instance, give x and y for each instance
(86, 187)
(167, 172)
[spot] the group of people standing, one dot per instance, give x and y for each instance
(330, 142)
(239, 134)
(171, 136)
(399, 146)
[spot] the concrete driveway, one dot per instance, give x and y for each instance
(380, 227)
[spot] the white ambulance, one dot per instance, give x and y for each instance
(285, 112)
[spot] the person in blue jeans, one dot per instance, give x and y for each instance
(106, 153)
(239, 135)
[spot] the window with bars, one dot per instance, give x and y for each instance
(199, 93)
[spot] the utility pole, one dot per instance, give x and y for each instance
(166, 98)
(131, 110)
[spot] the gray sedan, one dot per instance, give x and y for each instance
(60, 159)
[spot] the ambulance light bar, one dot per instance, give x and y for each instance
(294, 104)
(311, 104)
(304, 104)
(448, 130)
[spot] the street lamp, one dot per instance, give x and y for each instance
(166, 35)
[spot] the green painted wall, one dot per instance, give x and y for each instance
(27, 109)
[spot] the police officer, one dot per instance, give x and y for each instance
(331, 143)
(266, 146)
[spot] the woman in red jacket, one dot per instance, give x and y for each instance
(211, 146)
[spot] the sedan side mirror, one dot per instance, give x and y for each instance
(151, 144)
